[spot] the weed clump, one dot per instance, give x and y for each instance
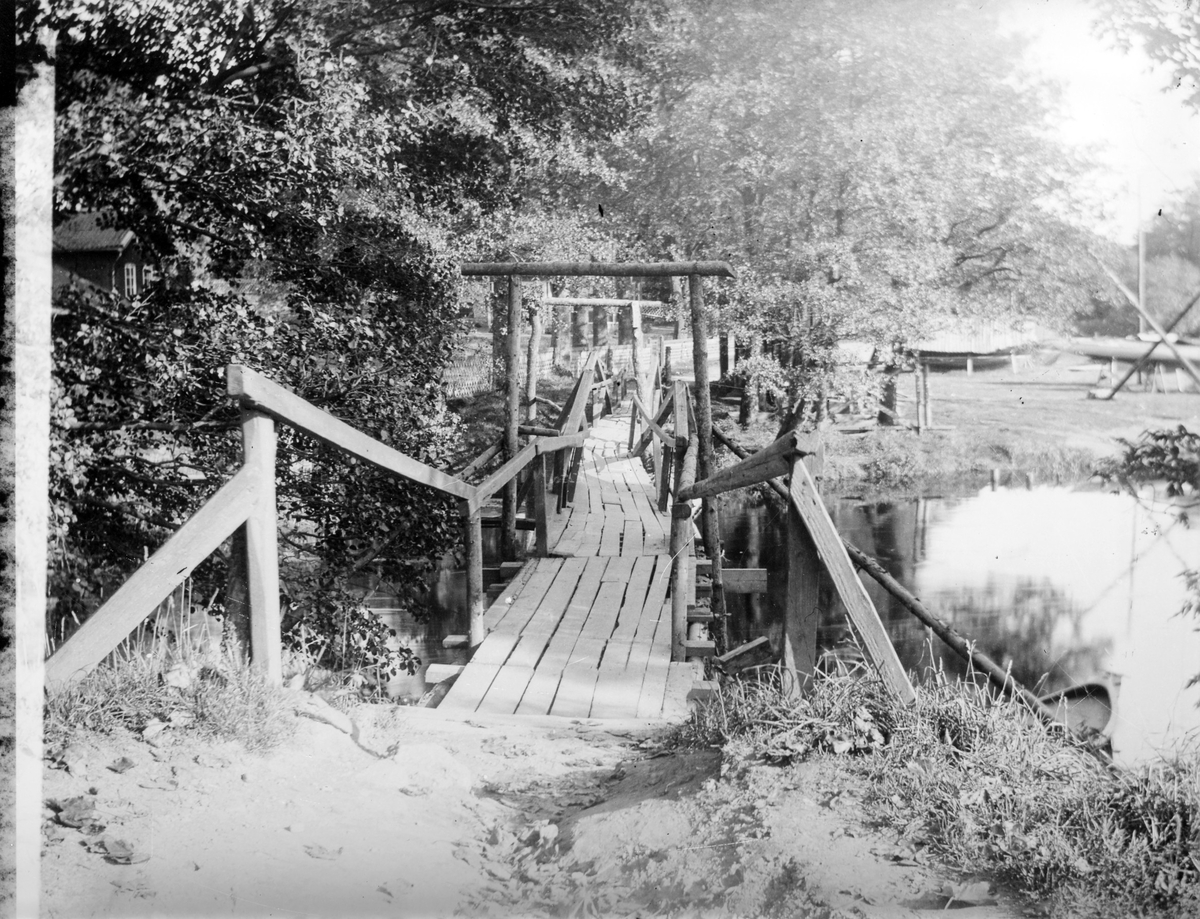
(978, 784)
(133, 690)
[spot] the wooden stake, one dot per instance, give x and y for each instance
(512, 416)
(262, 549)
(473, 543)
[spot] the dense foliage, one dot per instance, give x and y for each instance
(298, 171)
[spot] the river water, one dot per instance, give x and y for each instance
(1064, 584)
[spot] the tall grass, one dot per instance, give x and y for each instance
(979, 785)
(173, 669)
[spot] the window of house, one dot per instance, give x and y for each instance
(130, 280)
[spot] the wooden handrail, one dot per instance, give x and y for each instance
(260, 393)
(768, 463)
(165, 570)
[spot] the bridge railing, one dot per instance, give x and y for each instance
(248, 500)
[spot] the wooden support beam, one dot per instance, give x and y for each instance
(768, 463)
(600, 301)
(165, 570)
(512, 415)
(745, 580)
(662, 415)
(482, 459)
(1141, 362)
(802, 612)
(531, 364)
(681, 542)
(439, 673)
(473, 544)
(536, 430)
(597, 269)
(1153, 323)
(651, 422)
(542, 537)
(262, 549)
(503, 476)
(751, 654)
(804, 497)
(257, 392)
(562, 442)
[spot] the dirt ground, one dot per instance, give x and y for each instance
(422, 815)
(1050, 402)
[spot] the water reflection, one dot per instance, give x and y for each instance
(1065, 585)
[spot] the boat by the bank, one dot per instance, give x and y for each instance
(1085, 708)
(1128, 349)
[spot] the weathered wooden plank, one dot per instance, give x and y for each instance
(610, 541)
(499, 609)
(578, 683)
(258, 392)
(631, 537)
(506, 690)
(165, 570)
(680, 677)
(554, 604)
(525, 602)
(540, 693)
(802, 614)
(745, 580)
(495, 648)
(470, 687)
(807, 501)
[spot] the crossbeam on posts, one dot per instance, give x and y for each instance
(597, 269)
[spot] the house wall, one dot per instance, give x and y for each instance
(102, 269)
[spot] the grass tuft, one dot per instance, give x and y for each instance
(196, 690)
(981, 786)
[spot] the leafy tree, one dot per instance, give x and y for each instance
(319, 156)
(1168, 31)
(887, 159)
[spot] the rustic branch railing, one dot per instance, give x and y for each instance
(813, 544)
(248, 499)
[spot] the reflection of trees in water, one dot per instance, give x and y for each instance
(1011, 621)
(1015, 623)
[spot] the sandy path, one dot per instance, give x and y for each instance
(472, 817)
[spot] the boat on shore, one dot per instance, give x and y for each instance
(1128, 349)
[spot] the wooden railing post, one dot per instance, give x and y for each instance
(512, 415)
(801, 612)
(262, 547)
(473, 546)
(541, 524)
(683, 568)
(681, 524)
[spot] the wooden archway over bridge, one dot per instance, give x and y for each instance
(695, 272)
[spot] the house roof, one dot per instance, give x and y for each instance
(84, 233)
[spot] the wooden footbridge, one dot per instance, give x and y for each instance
(596, 623)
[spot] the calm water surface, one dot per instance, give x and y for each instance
(1064, 584)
